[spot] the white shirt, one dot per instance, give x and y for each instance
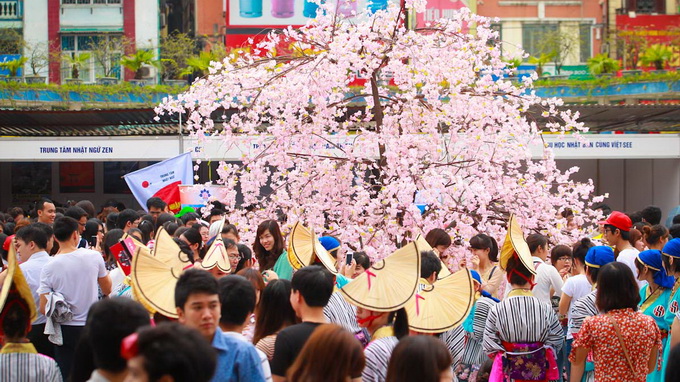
(575, 287)
(547, 277)
(75, 275)
(628, 256)
(31, 269)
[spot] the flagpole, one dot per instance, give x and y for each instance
(181, 140)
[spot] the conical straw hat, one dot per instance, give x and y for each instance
(515, 245)
(423, 245)
(165, 249)
(304, 247)
(388, 284)
(15, 285)
(217, 254)
(438, 307)
(154, 274)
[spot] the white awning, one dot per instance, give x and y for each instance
(152, 148)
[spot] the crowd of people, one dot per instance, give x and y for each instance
(126, 295)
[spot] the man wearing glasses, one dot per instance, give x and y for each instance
(156, 206)
(617, 232)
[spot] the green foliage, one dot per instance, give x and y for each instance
(657, 55)
(540, 61)
(11, 41)
(199, 64)
(14, 94)
(598, 82)
(602, 63)
(558, 45)
(136, 61)
(513, 62)
(13, 66)
(176, 49)
(76, 62)
(107, 51)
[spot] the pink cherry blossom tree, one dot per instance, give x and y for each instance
(434, 122)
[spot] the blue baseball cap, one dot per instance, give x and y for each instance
(329, 243)
(599, 255)
(672, 248)
(476, 276)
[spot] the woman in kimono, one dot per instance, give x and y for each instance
(474, 324)
(671, 263)
(380, 295)
(655, 297)
(522, 334)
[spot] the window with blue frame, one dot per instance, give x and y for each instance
(89, 2)
(105, 51)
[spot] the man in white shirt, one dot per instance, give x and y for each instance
(617, 232)
(31, 244)
(75, 273)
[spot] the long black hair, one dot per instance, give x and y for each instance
(399, 320)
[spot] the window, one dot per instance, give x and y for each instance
(646, 6)
(68, 43)
(498, 42)
(585, 31)
(89, 2)
(532, 35)
(105, 51)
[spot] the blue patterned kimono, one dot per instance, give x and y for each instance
(655, 307)
(671, 310)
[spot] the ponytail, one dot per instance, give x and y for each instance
(399, 320)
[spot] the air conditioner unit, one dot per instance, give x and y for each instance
(148, 71)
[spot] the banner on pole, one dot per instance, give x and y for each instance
(162, 180)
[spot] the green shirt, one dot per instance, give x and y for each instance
(282, 267)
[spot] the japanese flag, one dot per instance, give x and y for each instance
(162, 180)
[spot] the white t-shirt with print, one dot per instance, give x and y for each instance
(75, 275)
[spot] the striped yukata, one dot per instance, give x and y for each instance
(522, 319)
(339, 311)
(454, 340)
(583, 308)
(473, 354)
(21, 363)
(378, 353)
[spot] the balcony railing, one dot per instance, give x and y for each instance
(10, 10)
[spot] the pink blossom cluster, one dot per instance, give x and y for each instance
(435, 121)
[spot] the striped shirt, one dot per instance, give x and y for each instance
(339, 311)
(583, 308)
(21, 363)
(521, 319)
(378, 355)
(474, 353)
(454, 340)
(266, 345)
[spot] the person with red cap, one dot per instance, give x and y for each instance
(617, 232)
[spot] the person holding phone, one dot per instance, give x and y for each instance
(94, 234)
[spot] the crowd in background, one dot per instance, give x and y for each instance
(601, 309)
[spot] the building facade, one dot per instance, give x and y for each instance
(572, 27)
(71, 28)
